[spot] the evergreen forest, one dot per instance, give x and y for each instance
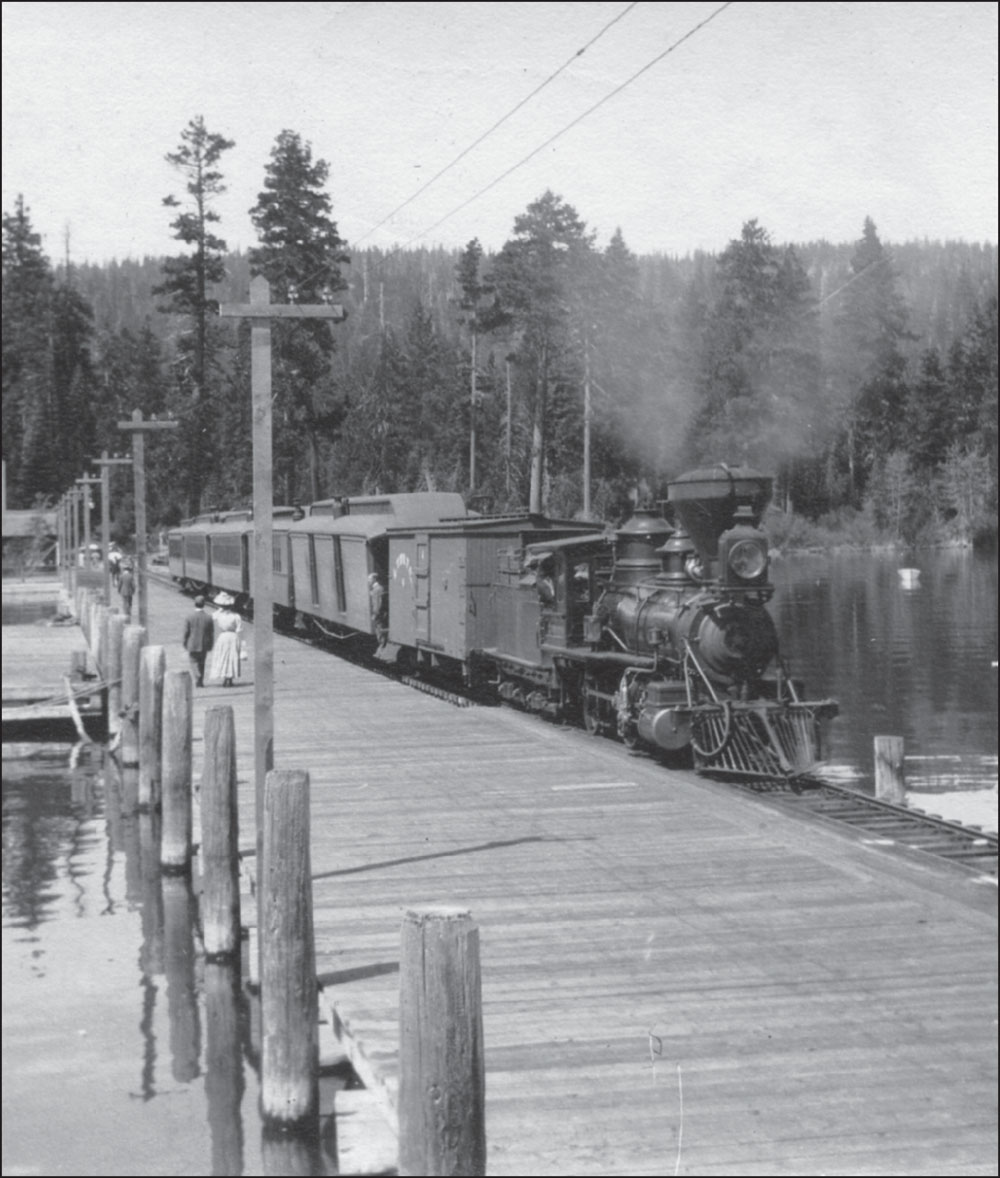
(559, 374)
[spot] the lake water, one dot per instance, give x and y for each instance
(124, 1053)
(914, 662)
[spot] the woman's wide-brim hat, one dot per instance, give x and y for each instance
(223, 599)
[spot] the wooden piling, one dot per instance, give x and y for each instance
(220, 897)
(890, 782)
(151, 671)
(133, 640)
(442, 1090)
(289, 1016)
(113, 670)
(175, 851)
(77, 664)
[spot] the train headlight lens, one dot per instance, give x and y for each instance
(747, 559)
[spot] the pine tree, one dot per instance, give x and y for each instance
(870, 367)
(300, 254)
(27, 303)
(928, 417)
(759, 380)
(188, 281)
(534, 275)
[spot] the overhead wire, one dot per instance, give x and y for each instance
(552, 138)
(499, 123)
(569, 126)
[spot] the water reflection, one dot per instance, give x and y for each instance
(43, 825)
(224, 1022)
(180, 918)
(107, 997)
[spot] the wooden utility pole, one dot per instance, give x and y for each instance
(138, 428)
(472, 416)
(85, 484)
(105, 463)
(74, 537)
(586, 427)
(260, 311)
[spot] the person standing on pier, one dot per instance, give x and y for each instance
(199, 637)
(115, 563)
(226, 650)
(126, 589)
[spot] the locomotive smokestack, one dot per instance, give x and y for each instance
(706, 501)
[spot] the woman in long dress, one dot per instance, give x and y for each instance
(226, 648)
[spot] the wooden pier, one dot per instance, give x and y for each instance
(676, 979)
(50, 687)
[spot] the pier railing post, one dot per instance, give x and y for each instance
(442, 1089)
(113, 670)
(289, 1015)
(890, 782)
(133, 640)
(220, 896)
(99, 645)
(175, 851)
(151, 671)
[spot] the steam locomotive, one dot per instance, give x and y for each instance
(656, 634)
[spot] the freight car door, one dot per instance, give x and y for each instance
(422, 596)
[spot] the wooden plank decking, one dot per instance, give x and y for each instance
(675, 979)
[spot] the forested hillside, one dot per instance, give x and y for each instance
(863, 376)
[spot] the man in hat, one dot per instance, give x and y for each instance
(199, 634)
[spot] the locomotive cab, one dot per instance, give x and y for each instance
(568, 576)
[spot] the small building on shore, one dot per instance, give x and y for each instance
(30, 542)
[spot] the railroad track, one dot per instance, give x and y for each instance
(886, 824)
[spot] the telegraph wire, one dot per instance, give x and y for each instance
(569, 126)
(485, 135)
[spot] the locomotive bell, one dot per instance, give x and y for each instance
(706, 501)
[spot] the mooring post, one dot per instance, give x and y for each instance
(220, 851)
(288, 993)
(152, 664)
(175, 851)
(113, 673)
(77, 664)
(890, 782)
(442, 1087)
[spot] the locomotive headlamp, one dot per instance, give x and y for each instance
(743, 553)
(747, 559)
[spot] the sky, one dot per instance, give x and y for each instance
(806, 116)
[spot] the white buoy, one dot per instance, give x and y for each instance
(909, 577)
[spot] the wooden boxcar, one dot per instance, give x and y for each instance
(463, 587)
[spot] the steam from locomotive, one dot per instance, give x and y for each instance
(657, 634)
